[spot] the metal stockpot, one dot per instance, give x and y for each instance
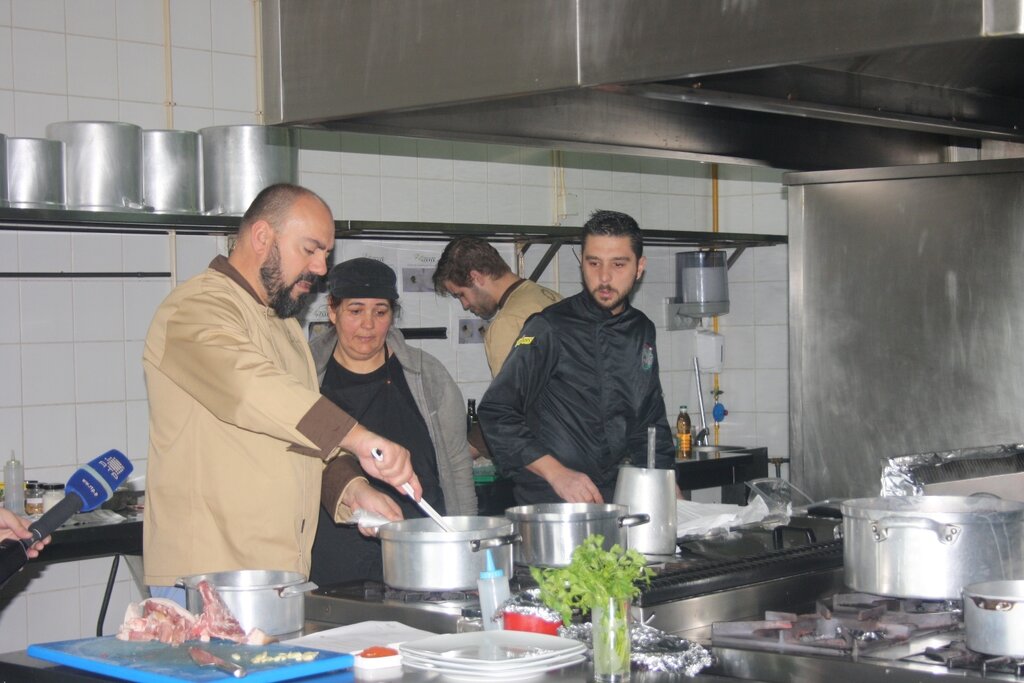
(652, 491)
(170, 171)
(3, 170)
(419, 555)
(239, 161)
(35, 173)
(272, 601)
(551, 531)
(102, 164)
(930, 546)
(994, 617)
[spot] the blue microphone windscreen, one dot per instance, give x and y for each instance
(95, 481)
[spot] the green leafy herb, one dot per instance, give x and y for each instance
(592, 577)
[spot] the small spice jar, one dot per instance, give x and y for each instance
(52, 494)
(33, 498)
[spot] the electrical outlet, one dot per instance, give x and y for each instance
(417, 279)
(471, 331)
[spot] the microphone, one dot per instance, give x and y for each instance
(89, 487)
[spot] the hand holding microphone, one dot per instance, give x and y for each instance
(89, 487)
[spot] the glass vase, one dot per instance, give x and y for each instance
(610, 634)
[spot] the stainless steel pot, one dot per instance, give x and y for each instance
(35, 172)
(3, 170)
(994, 617)
(239, 161)
(418, 555)
(273, 601)
(651, 491)
(102, 164)
(550, 532)
(930, 546)
(170, 171)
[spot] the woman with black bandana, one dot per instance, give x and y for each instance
(398, 391)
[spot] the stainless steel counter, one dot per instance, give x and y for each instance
(18, 667)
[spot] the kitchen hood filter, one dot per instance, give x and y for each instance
(702, 283)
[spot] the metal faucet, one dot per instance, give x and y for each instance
(701, 439)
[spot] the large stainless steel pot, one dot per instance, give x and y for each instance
(551, 531)
(103, 164)
(930, 546)
(239, 161)
(35, 172)
(170, 171)
(994, 617)
(273, 601)
(418, 555)
(3, 170)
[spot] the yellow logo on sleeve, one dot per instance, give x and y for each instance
(522, 341)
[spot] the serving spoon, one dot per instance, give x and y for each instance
(423, 504)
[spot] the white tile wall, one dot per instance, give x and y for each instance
(70, 351)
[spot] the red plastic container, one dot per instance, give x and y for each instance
(515, 621)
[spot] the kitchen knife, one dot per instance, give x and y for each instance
(205, 658)
(424, 505)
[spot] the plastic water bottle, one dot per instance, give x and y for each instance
(14, 486)
(493, 585)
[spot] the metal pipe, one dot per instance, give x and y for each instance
(702, 435)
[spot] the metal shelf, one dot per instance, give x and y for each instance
(53, 220)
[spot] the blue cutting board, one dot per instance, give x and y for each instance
(159, 663)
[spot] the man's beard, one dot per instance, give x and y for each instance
(614, 303)
(486, 309)
(279, 293)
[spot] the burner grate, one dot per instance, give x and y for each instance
(676, 584)
(402, 595)
(852, 623)
(956, 655)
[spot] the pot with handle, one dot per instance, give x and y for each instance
(994, 617)
(272, 601)
(419, 555)
(551, 531)
(930, 547)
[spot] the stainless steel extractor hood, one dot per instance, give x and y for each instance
(788, 83)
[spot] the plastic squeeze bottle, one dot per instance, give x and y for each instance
(493, 585)
(14, 486)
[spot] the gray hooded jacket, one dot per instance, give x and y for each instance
(439, 401)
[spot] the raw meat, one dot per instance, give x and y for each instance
(157, 619)
(166, 621)
(216, 621)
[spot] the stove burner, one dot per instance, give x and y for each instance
(956, 655)
(850, 623)
(401, 595)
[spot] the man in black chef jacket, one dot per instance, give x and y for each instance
(580, 388)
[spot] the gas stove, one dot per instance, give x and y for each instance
(857, 637)
(353, 602)
(689, 590)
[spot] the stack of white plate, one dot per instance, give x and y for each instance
(492, 655)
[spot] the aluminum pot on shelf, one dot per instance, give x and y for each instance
(418, 555)
(930, 547)
(551, 531)
(994, 617)
(273, 601)
(103, 164)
